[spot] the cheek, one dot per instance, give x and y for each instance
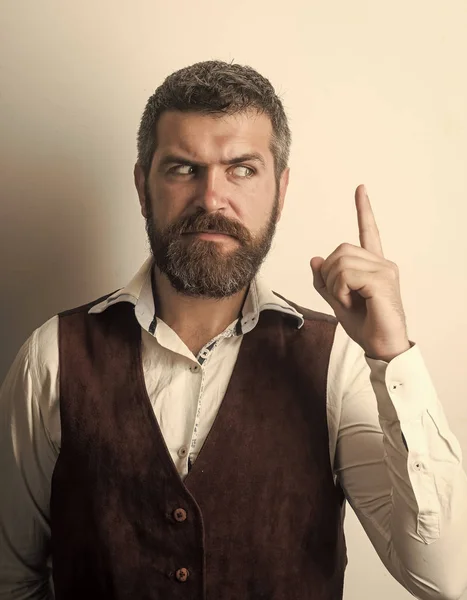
(166, 206)
(254, 201)
(257, 209)
(170, 203)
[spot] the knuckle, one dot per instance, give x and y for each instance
(342, 262)
(341, 277)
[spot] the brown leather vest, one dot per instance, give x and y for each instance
(257, 517)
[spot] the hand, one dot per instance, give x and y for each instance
(362, 288)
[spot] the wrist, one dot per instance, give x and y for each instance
(387, 354)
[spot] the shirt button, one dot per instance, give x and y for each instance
(417, 466)
(180, 515)
(183, 451)
(195, 368)
(182, 574)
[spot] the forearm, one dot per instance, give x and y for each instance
(427, 519)
(410, 498)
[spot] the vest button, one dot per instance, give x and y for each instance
(179, 515)
(182, 575)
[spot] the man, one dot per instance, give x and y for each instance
(195, 435)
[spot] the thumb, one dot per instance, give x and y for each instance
(318, 282)
(316, 263)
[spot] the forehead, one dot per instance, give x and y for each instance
(207, 137)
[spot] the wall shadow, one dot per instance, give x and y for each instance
(54, 241)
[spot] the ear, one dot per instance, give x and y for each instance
(140, 180)
(283, 184)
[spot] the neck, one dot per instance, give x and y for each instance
(195, 320)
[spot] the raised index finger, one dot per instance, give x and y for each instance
(368, 230)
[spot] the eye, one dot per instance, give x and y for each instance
(241, 171)
(249, 173)
(177, 170)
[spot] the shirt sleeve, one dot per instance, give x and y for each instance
(401, 469)
(27, 459)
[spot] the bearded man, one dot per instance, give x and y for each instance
(195, 434)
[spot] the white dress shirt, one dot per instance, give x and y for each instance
(411, 497)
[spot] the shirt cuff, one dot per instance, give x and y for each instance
(403, 387)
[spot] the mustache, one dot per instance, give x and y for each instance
(202, 221)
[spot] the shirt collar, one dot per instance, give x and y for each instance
(139, 293)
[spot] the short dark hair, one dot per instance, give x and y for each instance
(215, 87)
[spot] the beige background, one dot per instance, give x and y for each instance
(376, 93)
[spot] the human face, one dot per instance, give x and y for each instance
(211, 201)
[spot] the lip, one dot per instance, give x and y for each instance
(210, 235)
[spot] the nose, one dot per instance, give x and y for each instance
(211, 193)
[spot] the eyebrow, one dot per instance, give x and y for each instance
(249, 157)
